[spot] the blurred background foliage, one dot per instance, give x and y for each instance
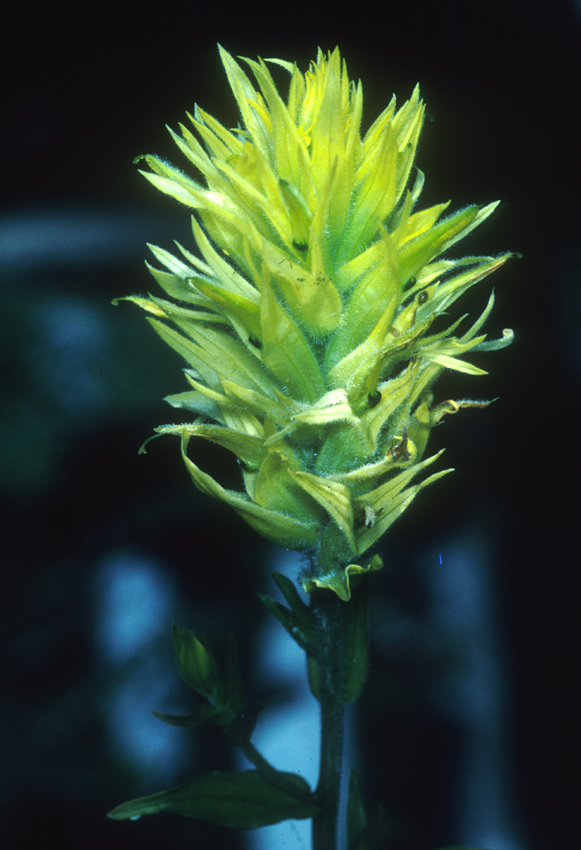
(81, 385)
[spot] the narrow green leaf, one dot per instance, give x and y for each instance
(246, 97)
(196, 664)
(453, 363)
(357, 836)
(223, 354)
(356, 642)
(187, 349)
(393, 393)
(287, 352)
(242, 800)
(224, 272)
(496, 344)
(176, 266)
(354, 371)
(433, 242)
(242, 308)
(368, 301)
(338, 580)
(298, 607)
(287, 531)
(247, 447)
(183, 189)
(375, 196)
(388, 501)
(167, 309)
(203, 714)
(414, 225)
(333, 496)
(196, 402)
(287, 619)
(455, 285)
(276, 488)
(297, 619)
(220, 140)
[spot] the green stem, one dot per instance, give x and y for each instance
(275, 777)
(329, 614)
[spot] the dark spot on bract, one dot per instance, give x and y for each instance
(300, 246)
(423, 296)
(374, 398)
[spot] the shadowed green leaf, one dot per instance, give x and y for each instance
(357, 834)
(242, 800)
(202, 714)
(356, 641)
(196, 664)
(287, 618)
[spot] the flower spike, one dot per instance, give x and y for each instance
(307, 322)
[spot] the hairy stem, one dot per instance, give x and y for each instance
(330, 618)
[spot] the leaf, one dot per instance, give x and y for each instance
(240, 800)
(284, 530)
(186, 349)
(393, 393)
(243, 309)
(439, 238)
(339, 579)
(171, 181)
(356, 642)
(506, 339)
(389, 501)
(369, 300)
(275, 488)
(453, 363)
(286, 617)
(202, 714)
(224, 355)
(375, 195)
(247, 447)
(296, 619)
(332, 407)
(298, 607)
(357, 833)
(197, 665)
(355, 369)
(287, 352)
(334, 497)
(246, 97)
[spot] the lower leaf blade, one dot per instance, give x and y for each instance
(240, 800)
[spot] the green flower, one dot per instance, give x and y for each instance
(307, 322)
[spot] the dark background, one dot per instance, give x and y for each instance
(84, 92)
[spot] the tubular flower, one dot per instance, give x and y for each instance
(307, 322)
